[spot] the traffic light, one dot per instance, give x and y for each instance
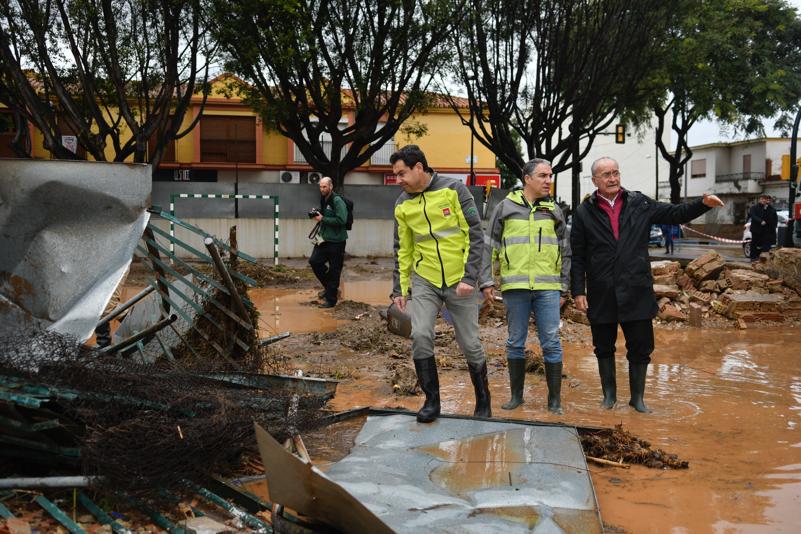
(620, 134)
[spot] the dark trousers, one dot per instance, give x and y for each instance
(326, 262)
(758, 246)
(639, 340)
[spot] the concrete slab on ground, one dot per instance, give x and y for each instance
(466, 475)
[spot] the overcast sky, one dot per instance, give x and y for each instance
(710, 131)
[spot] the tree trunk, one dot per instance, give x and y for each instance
(676, 172)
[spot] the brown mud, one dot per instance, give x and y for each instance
(726, 400)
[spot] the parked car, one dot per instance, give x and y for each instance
(655, 238)
(783, 217)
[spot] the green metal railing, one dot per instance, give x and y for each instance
(276, 210)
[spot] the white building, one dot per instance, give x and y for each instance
(738, 172)
(641, 167)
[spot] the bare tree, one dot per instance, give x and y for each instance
(736, 62)
(311, 61)
(114, 73)
(556, 72)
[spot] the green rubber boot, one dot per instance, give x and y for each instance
(606, 368)
(637, 372)
(553, 377)
(517, 378)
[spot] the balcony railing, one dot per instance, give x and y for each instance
(381, 156)
(740, 176)
(299, 158)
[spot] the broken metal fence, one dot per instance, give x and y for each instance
(276, 211)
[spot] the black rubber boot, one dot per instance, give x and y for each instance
(517, 378)
(478, 374)
(606, 368)
(637, 373)
(429, 382)
(553, 376)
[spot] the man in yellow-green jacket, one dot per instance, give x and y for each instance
(530, 241)
(438, 255)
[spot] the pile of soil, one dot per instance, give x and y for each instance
(617, 445)
(267, 275)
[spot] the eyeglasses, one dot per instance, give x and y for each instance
(609, 174)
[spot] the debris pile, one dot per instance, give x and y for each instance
(619, 447)
(138, 428)
(710, 288)
(271, 275)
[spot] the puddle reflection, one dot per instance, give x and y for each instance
(487, 461)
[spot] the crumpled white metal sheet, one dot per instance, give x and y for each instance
(68, 230)
(466, 475)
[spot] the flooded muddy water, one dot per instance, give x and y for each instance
(295, 310)
(727, 401)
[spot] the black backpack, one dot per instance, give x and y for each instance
(349, 205)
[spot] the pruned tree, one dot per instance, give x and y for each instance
(734, 61)
(114, 73)
(308, 63)
(556, 72)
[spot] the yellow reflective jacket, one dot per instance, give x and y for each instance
(438, 235)
(531, 243)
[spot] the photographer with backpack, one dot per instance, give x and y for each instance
(333, 219)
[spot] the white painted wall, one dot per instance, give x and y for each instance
(369, 237)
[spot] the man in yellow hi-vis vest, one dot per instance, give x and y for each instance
(438, 252)
(528, 237)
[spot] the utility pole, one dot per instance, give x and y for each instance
(792, 186)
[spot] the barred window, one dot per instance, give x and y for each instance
(228, 139)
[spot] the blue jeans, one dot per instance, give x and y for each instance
(544, 304)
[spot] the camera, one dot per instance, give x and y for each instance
(314, 212)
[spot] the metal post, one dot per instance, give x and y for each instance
(276, 223)
(122, 307)
(472, 138)
(140, 335)
(792, 186)
(656, 166)
(226, 279)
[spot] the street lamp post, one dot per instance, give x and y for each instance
(788, 234)
(472, 139)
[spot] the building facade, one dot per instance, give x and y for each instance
(230, 144)
(738, 172)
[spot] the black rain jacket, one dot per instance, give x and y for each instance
(615, 275)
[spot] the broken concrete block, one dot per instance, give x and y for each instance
(669, 312)
(705, 267)
(755, 316)
(670, 292)
(708, 286)
(665, 279)
(663, 267)
(684, 281)
(741, 301)
(745, 280)
(785, 265)
(791, 308)
(695, 315)
(700, 296)
(662, 301)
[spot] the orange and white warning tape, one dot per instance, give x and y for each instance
(716, 238)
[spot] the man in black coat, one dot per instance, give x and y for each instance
(611, 273)
(763, 226)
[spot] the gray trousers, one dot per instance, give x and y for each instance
(427, 299)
